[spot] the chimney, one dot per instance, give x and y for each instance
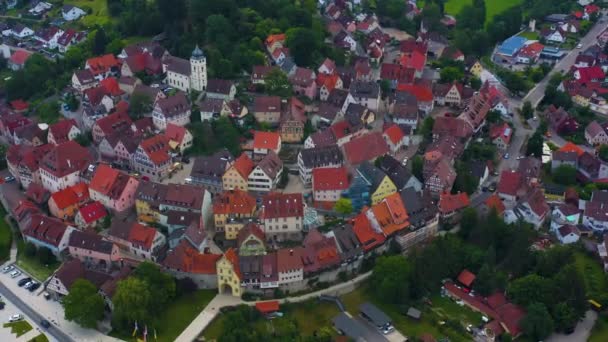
(291, 252)
(69, 163)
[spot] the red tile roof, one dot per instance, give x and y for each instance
(277, 205)
(320, 252)
(326, 179)
(64, 198)
(494, 202)
(114, 122)
(66, 158)
(102, 64)
(235, 202)
(366, 234)
(503, 131)
(451, 202)
(289, 259)
(141, 235)
(365, 148)
(184, 258)
(46, 229)
(103, 178)
(510, 182)
(266, 140)
(267, 307)
(532, 50)
(19, 57)
(61, 129)
(328, 80)
(391, 214)
(466, 278)
(157, 149)
(421, 92)
(415, 60)
(271, 39)
(92, 212)
(111, 86)
(19, 105)
(571, 147)
(175, 133)
(394, 133)
(243, 165)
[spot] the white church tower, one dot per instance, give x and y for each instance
(198, 70)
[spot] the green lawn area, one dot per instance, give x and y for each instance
(177, 316)
(39, 338)
(593, 274)
(99, 15)
(310, 316)
(32, 266)
(442, 309)
(529, 35)
(6, 236)
(600, 330)
(19, 328)
(493, 7)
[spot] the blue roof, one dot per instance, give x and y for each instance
(511, 45)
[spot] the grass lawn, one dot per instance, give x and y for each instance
(310, 316)
(32, 266)
(39, 338)
(529, 35)
(600, 330)
(176, 316)
(593, 274)
(19, 328)
(6, 236)
(493, 7)
(441, 310)
(99, 12)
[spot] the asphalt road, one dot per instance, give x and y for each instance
(538, 92)
(53, 331)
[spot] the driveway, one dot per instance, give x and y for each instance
(581, 333)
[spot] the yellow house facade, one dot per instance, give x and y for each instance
(237, 175)
(233, 228)
(145, 212)
(228, 274)
(476, 69)
(384, 189)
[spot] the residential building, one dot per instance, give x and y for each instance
(399, 174)
(366, 94)
(83, 80)
(18, 59)
(49, 232)
(510, 186)
(501, 136)
(180, 138)
(452, 94)
(318, 157)
(90, 215)
(320, 253)
(303, 81)
(282, 216)
(533, 209)
(62, 166)
(23, 162)
(92, 249)
(220, 89)
(264, 142)
(290, 267)
(267, 109)
(568, 234)
(172, 110)
(184, 261)
(211, 109)
(292, 122)
(595, 215)
(237, 175)
(141, 241)
(596, 134)
(63, 131)
(113, 188)
(266, 174)
(367, 147)
(450, 205)
(381, 184)
(152, 157)
(328, 184)
(251, 240)
(208, 171)
(394, 137)
(64, 203)
(103, 66)
(389, 216)
(106, 126)
(71, 12)
(232, 204)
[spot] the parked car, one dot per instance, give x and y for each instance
(579, 46)
(506, 156)
(34, 287)
(28, 285)
(15, 318)
(45, 324)
(15, 274)
(9, 179)
(46, 295)
(2, 305)
(24, 281)
(8, 268)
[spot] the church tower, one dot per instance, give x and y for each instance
(198, 70)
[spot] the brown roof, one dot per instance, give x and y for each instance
(289, 259)
(61, 129)
(66, 158)
(365, 148)
(219, 86)
(303, 77)
(250, 229)
(271, 164)
(184, 258)
(453, 127)
(267, 104)
(174, 105)
(277, 205)
(90, 241)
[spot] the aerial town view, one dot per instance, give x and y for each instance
(304, 170)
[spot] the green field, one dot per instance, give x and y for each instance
(32, 266)
(6, 237)
(99, 12)
(493, 7)
(39, 338)
(174, 318)
(600, 330)
(19, 327)
(596, 282)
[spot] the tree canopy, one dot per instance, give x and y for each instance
(83, 304)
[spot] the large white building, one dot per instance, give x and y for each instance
(185, 75)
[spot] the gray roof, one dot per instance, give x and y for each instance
(211, 167)
(321, 156)
(414, 313)
(347, 242)
(348, 326)
(365, 89)
(398, 173)
(211, 105)
(375, 314)
(219, 86)
(373, 174)
(271, 164)
(90, 241)
(178, 65)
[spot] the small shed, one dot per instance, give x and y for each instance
(266, 308)
(466, 278)
(414, 313)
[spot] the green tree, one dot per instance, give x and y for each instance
(451, 74)
(344, 206)
(303, 45)
(468, 222)
(139, 104)
(603, 152)
(161, 285)
(529, 289)
(29, 249)
(537, 323)
(426, 130)
(83, 304)
(475, 83)
(565, 175)
(417, 167)
(99, 42)
(131, 303)
(84, 139)
(527, 111)
(391, 278)
(277, 84)
(72, 102)
(48, 112)
(565, 316)
(385, 87)
(45, 256)
(535, 145)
